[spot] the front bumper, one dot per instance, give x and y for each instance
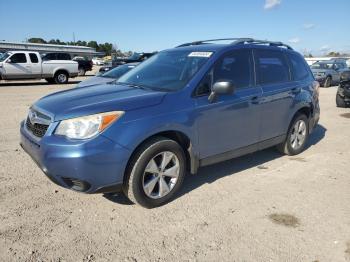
(90, 166)
(313, 121)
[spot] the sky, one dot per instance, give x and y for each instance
(151, 25)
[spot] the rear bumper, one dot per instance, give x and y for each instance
(94, 166)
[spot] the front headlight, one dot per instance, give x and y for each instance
(87, 126)
(321, 73)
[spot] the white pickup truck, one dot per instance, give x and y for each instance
(16, 65)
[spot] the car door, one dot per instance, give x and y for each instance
(18, 66)
(336, 72)
(231, 122)
(36, 65)
(273, 76)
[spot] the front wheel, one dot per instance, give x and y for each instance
(328, 82)
(81, 72)
(340, 101)
(297, 136)
(155, 173)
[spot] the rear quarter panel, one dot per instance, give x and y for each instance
(52, 66)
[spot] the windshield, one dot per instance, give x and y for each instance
(134, 56)
(118, 71)
(322, 66)
(167, 71)
(4, 56)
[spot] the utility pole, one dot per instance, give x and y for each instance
(73, 38)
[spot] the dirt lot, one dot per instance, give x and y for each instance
(261, 207)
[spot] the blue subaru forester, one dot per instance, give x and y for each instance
(194, 105)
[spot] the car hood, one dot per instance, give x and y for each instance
(96, 99)
(95, 80)
(318, 70)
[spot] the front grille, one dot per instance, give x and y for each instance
(36, 129)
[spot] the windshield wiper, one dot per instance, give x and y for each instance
(130, 84)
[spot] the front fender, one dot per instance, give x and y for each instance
(132, 133)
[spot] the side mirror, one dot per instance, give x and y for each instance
(8, 61)
(221, 88)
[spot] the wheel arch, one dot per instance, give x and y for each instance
(61, 70)
(181, 138)
(305, 109)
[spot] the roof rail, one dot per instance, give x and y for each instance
(256, 41)
(238, 41)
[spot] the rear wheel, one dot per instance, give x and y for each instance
(81, 72)
(156, 172)
(328, 82)
(340, 101)
(61, 77)
(297, 136)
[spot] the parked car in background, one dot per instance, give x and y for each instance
(136, 57)
(16, 65)
(183, 108)
(327, 73)
(98, 61)
(107, 77)
(84, 65)
(343, 93)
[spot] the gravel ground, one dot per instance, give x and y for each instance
(261, 207)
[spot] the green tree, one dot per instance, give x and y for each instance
(36, 40)
(93, 44)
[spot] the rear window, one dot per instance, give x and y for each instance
(298, 67)
(271, 67)
(33, 58)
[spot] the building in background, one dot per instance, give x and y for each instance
(74, 51)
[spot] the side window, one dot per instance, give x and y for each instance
(298, 67)
(63, 57)
(33, 58)
(236, 66)
(271, 67)
(48, 57)
(19, 58)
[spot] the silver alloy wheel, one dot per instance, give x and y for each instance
(161, 174)
(62, 78)
(298, 135)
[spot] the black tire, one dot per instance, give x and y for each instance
(135, 176)
(61, 77)
(81, 71)
(50, 80)
(286, 147)
(340, 101)
(328, 82)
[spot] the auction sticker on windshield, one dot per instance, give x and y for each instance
(200, 54)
